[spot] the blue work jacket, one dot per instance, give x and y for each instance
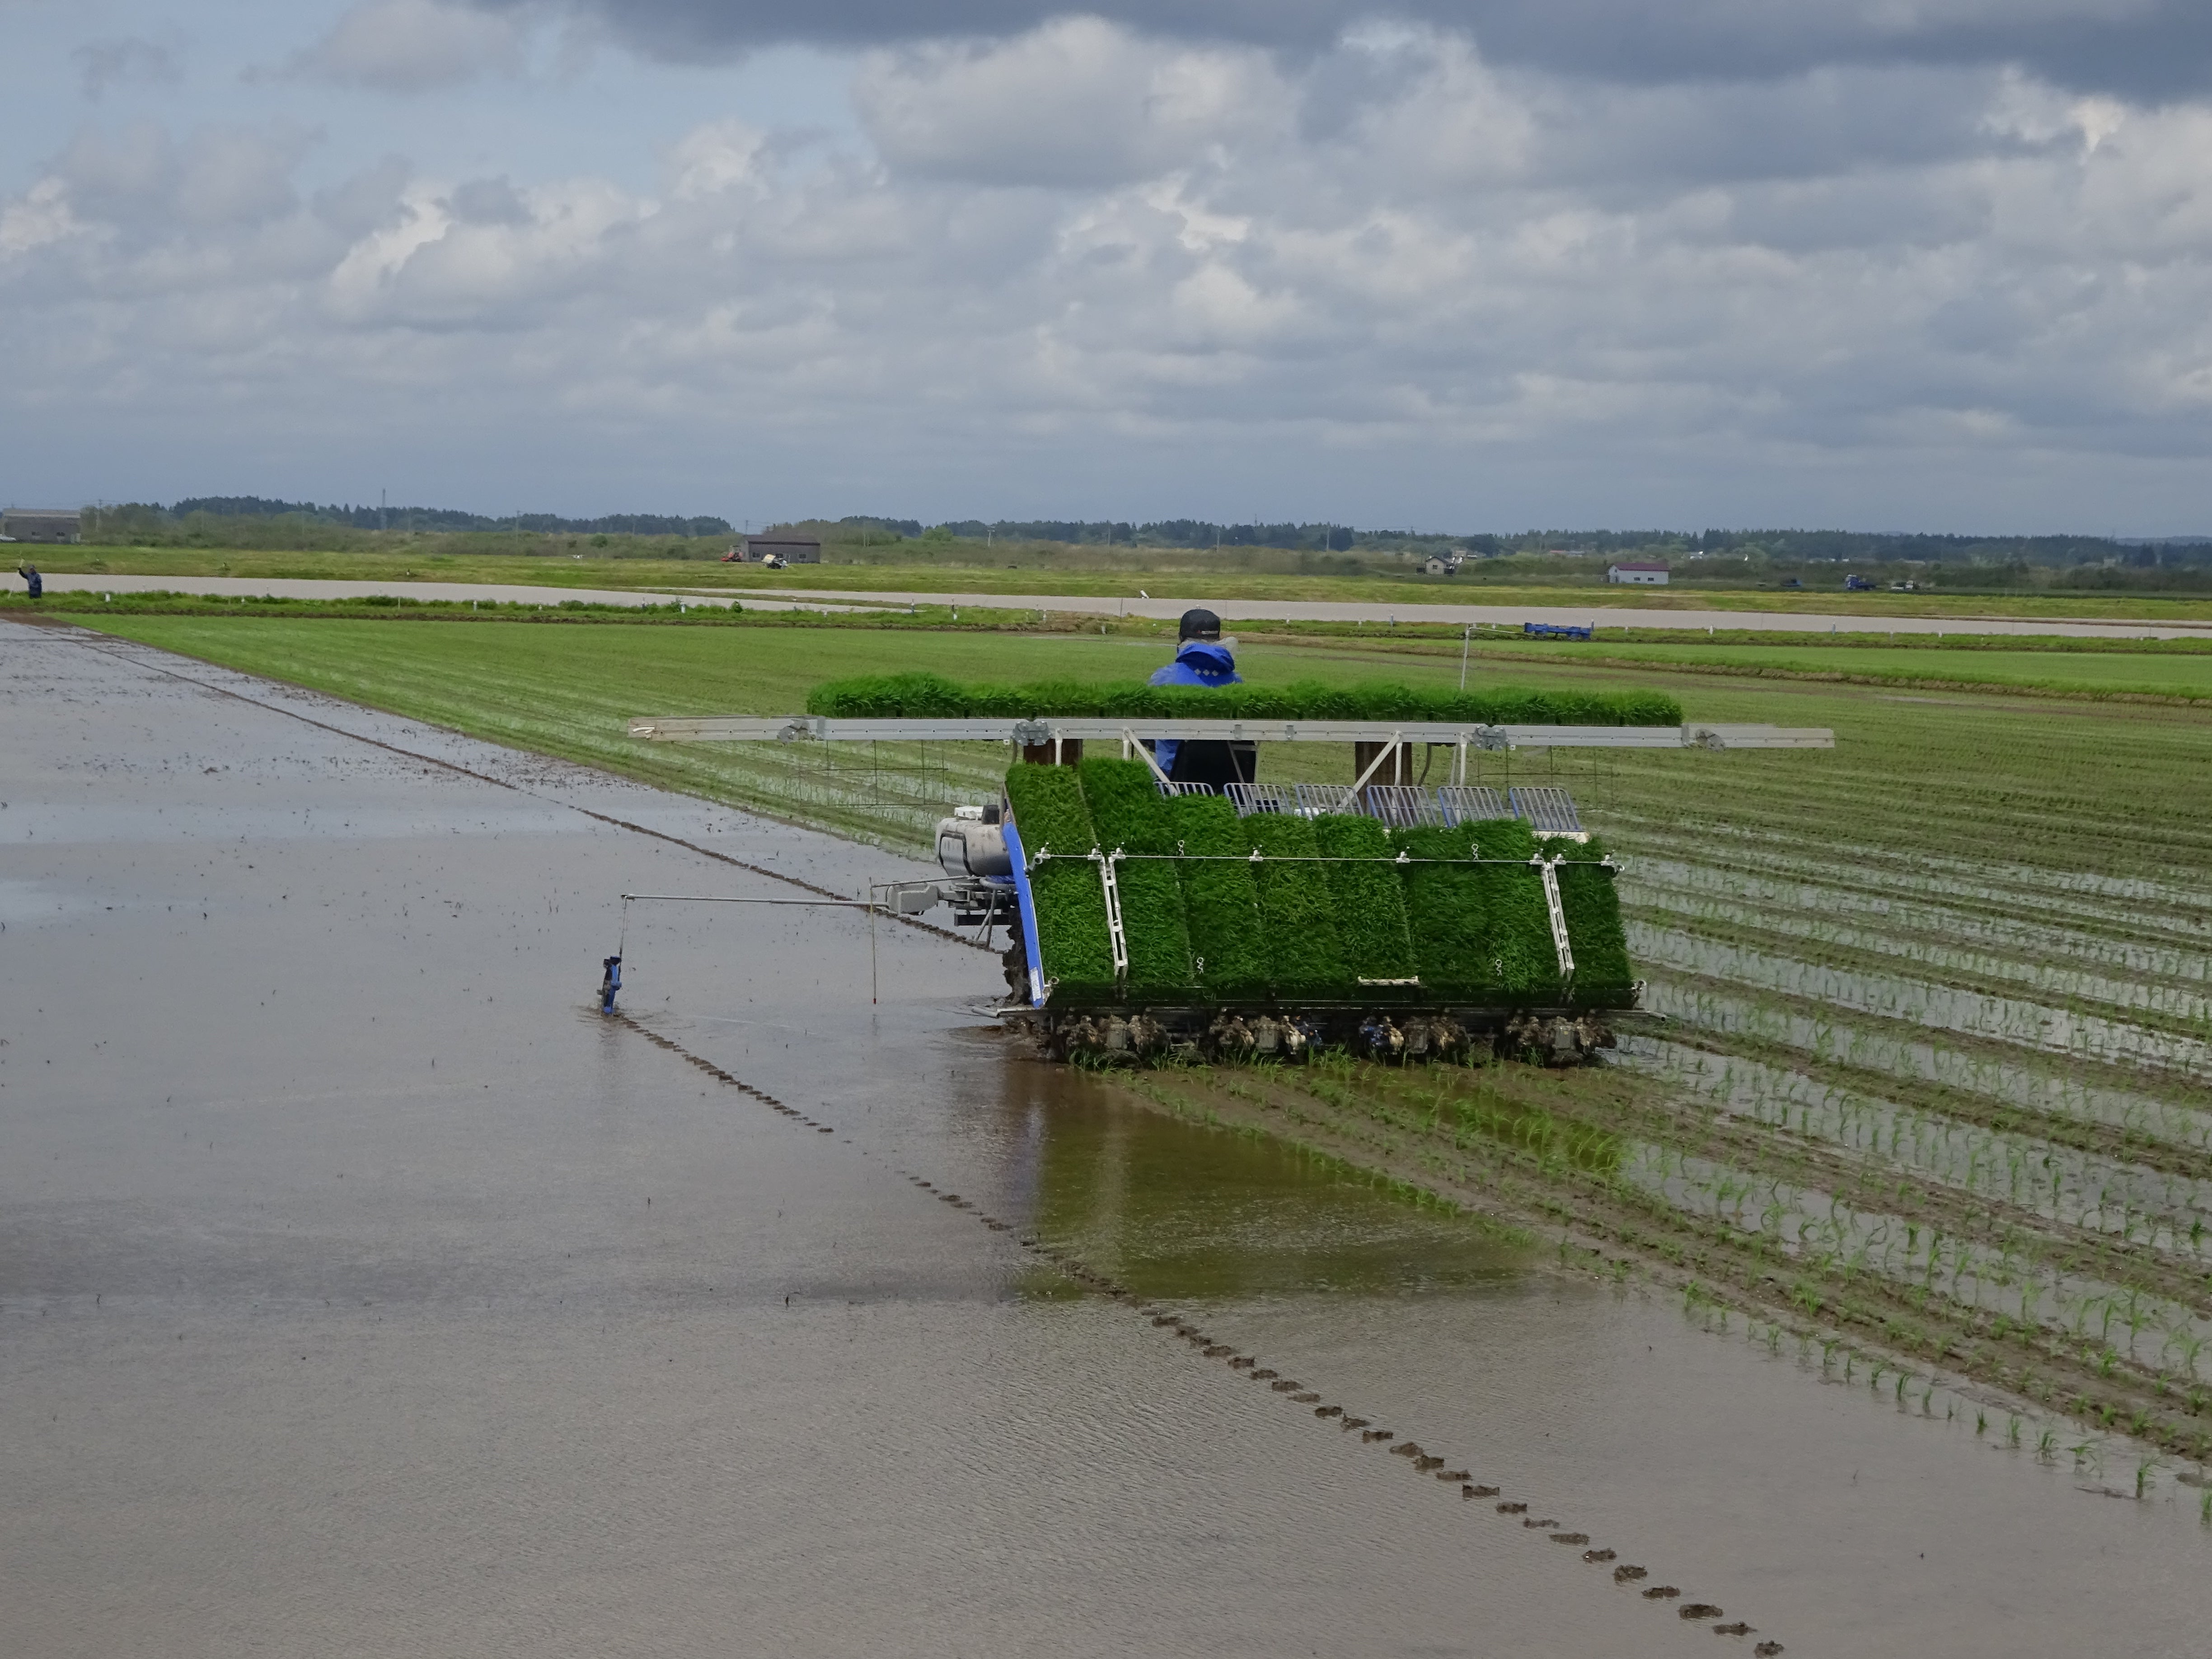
(1197, 662)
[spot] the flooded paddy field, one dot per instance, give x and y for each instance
(360, 1290)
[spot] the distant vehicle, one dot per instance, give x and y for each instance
(1554, 631)
(773, 561)
(735, 555)
(1857, 584)
(1904, 588)
(1794, 582)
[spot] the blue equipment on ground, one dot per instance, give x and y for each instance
(1555, 631)
(610, 982)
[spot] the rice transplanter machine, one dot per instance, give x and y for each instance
(1149, 917)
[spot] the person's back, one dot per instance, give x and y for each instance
(1202, 658)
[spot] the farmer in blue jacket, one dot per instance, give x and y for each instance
(1203, 657)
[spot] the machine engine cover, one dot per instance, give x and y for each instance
(966, 846)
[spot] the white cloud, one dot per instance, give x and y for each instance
(1075, 102)
(1475, 292)
(41, 215)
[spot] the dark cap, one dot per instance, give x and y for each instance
(1199, 625)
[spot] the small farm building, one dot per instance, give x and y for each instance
(28, 524)
(792, 549)
(1643, 575)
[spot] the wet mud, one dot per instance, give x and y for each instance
(363, 1291)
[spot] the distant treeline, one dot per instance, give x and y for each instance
(1777, 546)
(1844, 547)
(433, 518)
(1729, 557)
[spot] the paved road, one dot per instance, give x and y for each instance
(1512, 616)
(516, 592)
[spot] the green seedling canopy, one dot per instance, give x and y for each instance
(1332, 910)
(929, 696)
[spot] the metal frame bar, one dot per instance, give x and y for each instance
(1129, 742)
(1115, 937)
(1547, 868)
(1391, 745)
(797, 728)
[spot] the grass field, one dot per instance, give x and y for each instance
(1934, 1101)
(1164, 573)
(2183, 672)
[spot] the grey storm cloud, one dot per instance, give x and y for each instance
(2144, 49)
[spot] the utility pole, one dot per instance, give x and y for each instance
(1466, 644)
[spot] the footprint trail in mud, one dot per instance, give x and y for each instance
(1187, 1330)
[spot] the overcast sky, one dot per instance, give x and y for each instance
(1459, 264)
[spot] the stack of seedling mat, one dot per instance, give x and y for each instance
(1324, 918)
(920, 696)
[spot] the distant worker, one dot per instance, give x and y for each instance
(29, 572)
(1204, 658)
(610, 982)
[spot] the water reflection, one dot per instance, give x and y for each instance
(1174, 1209)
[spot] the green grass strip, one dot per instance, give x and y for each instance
(1071, 903)
(1298, 913)
(1369, 898)
(1129, 813)
(1221, 901)
(910, 696)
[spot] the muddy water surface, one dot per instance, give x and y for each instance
(360, 1291)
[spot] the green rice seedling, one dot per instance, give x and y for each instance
(917, 694)
(1130, 816)
(1228, 953)
(1369, 898)
(1479, 929)
(1296, 908)
(1981, 1423)
(2012, 1431)
(1445, 912)
(2046, 1446)
(1071, 900)
(1592, 907)
(2143, 1478)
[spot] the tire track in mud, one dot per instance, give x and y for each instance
(1420, 1458)
(138, 661)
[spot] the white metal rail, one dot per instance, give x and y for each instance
(1115, 937)
(1549, 871)
(819, 728)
